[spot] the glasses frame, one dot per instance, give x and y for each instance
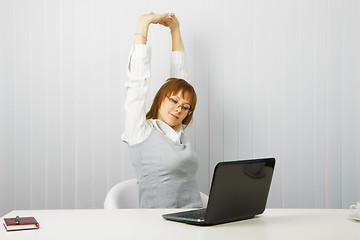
(171, 100)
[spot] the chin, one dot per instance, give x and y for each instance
(172, 124)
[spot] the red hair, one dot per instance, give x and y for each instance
(172, 87)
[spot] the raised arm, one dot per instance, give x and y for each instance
(136, 127)
(178, 67)
(174, 25)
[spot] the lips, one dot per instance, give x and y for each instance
(174, 116)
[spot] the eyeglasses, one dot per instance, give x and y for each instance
(176, 103)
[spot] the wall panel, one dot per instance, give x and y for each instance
(320, 66)
(68, 84)
(306, 103)
(334, 54)
(290, 104)
(22, 104)
(38, 105)
(273, 78)
(275, 94)
(53, 102)
(350, 79)
(7, 108)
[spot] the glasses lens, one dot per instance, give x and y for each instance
(173, 101)
(186, 108)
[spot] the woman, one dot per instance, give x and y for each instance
(164, 163)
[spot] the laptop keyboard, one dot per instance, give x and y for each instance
(195, 214)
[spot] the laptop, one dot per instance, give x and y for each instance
(239, 190)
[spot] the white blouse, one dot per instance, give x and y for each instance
(137, 128)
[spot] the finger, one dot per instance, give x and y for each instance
(168, 18)
(164, 23)
(159, 17)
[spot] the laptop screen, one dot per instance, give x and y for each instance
(240, 188)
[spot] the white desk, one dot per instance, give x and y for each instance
(146, 224)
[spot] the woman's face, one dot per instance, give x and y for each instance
(173, 109)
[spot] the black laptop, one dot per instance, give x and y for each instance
(239, 190)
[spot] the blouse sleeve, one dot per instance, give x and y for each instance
(138, 71)
(178, 68)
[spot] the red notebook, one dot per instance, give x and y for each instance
(26, 223)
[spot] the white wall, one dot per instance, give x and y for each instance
(274, 78)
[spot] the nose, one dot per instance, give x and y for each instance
(178, 108)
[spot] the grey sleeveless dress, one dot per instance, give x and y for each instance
(166, 172)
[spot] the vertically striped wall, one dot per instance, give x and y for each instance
(274, 78)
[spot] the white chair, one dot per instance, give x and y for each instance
(125, 195)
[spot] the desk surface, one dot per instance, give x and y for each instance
(148, 224)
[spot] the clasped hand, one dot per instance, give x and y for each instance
(165, 19)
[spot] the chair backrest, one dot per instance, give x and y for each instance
(126, 195)
(204, 199)
(123, 195)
